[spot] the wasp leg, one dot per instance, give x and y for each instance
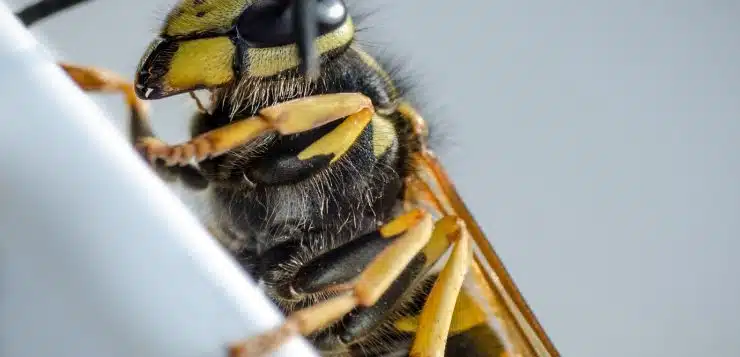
(436, 316)
(366, 289)
(331, 270)
(92, 79)
(291, 117)
(99, 80)
(337, 142)
(334, 268)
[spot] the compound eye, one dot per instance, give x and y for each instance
(269, 23)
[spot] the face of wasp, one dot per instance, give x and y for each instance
(206, 44)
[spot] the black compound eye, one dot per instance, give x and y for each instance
(269, 23)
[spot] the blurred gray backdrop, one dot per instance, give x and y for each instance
(595, 141)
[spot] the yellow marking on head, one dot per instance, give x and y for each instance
(202, 62)
(194, 16)
(372, 63)
(384, 134)
(268, 61)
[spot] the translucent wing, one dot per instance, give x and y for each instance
(489, 289)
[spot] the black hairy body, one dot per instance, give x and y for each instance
(277, 213)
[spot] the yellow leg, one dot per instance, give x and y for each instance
(436, 315)
(286, 118)
(339, 140)
(100, 80)
(366, 289)
(434, 323)
(93, 79)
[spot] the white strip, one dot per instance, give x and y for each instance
(97, 256)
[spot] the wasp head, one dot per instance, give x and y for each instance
(206, 44)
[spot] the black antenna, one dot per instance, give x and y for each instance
(306, 28)
(43, 9)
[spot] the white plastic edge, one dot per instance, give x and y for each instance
(97, 256)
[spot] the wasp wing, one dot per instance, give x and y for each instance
(489, 283)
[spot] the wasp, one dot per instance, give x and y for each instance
(323, 184)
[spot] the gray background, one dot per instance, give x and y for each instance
(596, 142)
